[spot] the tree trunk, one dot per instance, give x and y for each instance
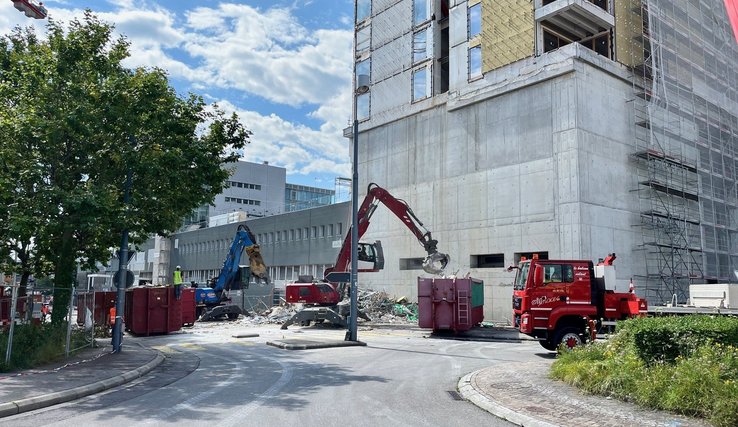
(63, 278)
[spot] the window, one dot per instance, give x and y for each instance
(330, 229)
(363, 39)
(487, 261)
(421, 83)
(322, 231)
(362, 106)
(315, 232)
(307, 233)
(364, 67)
(239, 184)
(421, 46)
(475, 62)
(421, 11)
(411, 263)
(475, 20)
(227, 199)
(558, 273)
(292, 235)
(363, 9)
(340, 229)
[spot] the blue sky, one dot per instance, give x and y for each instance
(284, 66)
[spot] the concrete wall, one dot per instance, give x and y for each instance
(271, 196)
(534, 158)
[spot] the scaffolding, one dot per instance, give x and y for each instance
(685, 75)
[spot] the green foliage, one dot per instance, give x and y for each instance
(666, 338)
(700, 380)
(35, 345)
(73, 123)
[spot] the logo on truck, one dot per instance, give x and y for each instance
(543, 300)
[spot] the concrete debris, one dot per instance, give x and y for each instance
(378, 305)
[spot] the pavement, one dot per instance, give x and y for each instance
(519, 392)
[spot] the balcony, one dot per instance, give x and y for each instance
(575, 19)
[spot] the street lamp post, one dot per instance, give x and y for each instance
(362, 86)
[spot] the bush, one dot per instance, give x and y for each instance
(692, 375)
(35, 345)
(663, 339)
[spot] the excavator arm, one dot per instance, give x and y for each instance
(231, 271)
(434, 262)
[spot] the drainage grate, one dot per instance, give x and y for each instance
(455, 395)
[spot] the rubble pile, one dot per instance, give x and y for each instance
(275, 315)
(382, 309)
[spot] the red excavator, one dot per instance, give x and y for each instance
(322, 297)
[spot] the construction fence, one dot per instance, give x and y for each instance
(25, 319)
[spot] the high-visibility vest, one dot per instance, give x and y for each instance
(177, 278)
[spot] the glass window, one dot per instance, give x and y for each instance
(364, 67)
(421, 11)
(475, 62)
(557, 273)
(420, 46)
(421, 83)
(363, 39)
(362, 106)
(363, 9)
(330, 229)
(475, 20)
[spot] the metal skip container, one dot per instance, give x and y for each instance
(450, 304)
(152, 311)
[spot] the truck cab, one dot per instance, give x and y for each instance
(569, 301)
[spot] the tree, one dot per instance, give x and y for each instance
(73, 123)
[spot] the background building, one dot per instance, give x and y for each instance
(298, 197)
(567, 128)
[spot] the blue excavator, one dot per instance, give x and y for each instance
(213, 302)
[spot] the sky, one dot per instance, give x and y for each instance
(283, 66)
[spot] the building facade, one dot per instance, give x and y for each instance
(569, 129)
(298, 197)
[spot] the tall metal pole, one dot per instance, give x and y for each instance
(122, 274)
(13, 303)
(354, 226)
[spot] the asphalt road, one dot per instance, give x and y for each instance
(209, 378)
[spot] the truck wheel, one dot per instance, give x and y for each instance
(570, 337)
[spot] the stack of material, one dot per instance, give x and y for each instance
(383, 309)
(275, 315)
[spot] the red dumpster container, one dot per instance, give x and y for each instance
(187, 304)
(103, 302)
(152, 311)
(450, 304)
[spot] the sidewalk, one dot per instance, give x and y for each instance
(522, 393)
(88, 372)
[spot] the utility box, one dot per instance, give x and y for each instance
(450, 304)
(151, 311)
(99, 308)
(718, 295)
(188, 307)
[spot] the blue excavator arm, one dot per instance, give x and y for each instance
(231, 271)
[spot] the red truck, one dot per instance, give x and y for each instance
(568, 301)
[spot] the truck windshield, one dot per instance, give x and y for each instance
(522, 276)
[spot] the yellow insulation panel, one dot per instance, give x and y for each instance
(508, 32)
(629, 39)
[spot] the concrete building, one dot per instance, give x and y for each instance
(568, 128)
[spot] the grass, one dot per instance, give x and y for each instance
(35, 345)
(701, 382)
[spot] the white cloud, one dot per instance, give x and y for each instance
(294, 146)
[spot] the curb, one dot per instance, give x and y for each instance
(311, 345)
(38, 402)
(468, 392)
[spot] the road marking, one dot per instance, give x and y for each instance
(238, 416)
